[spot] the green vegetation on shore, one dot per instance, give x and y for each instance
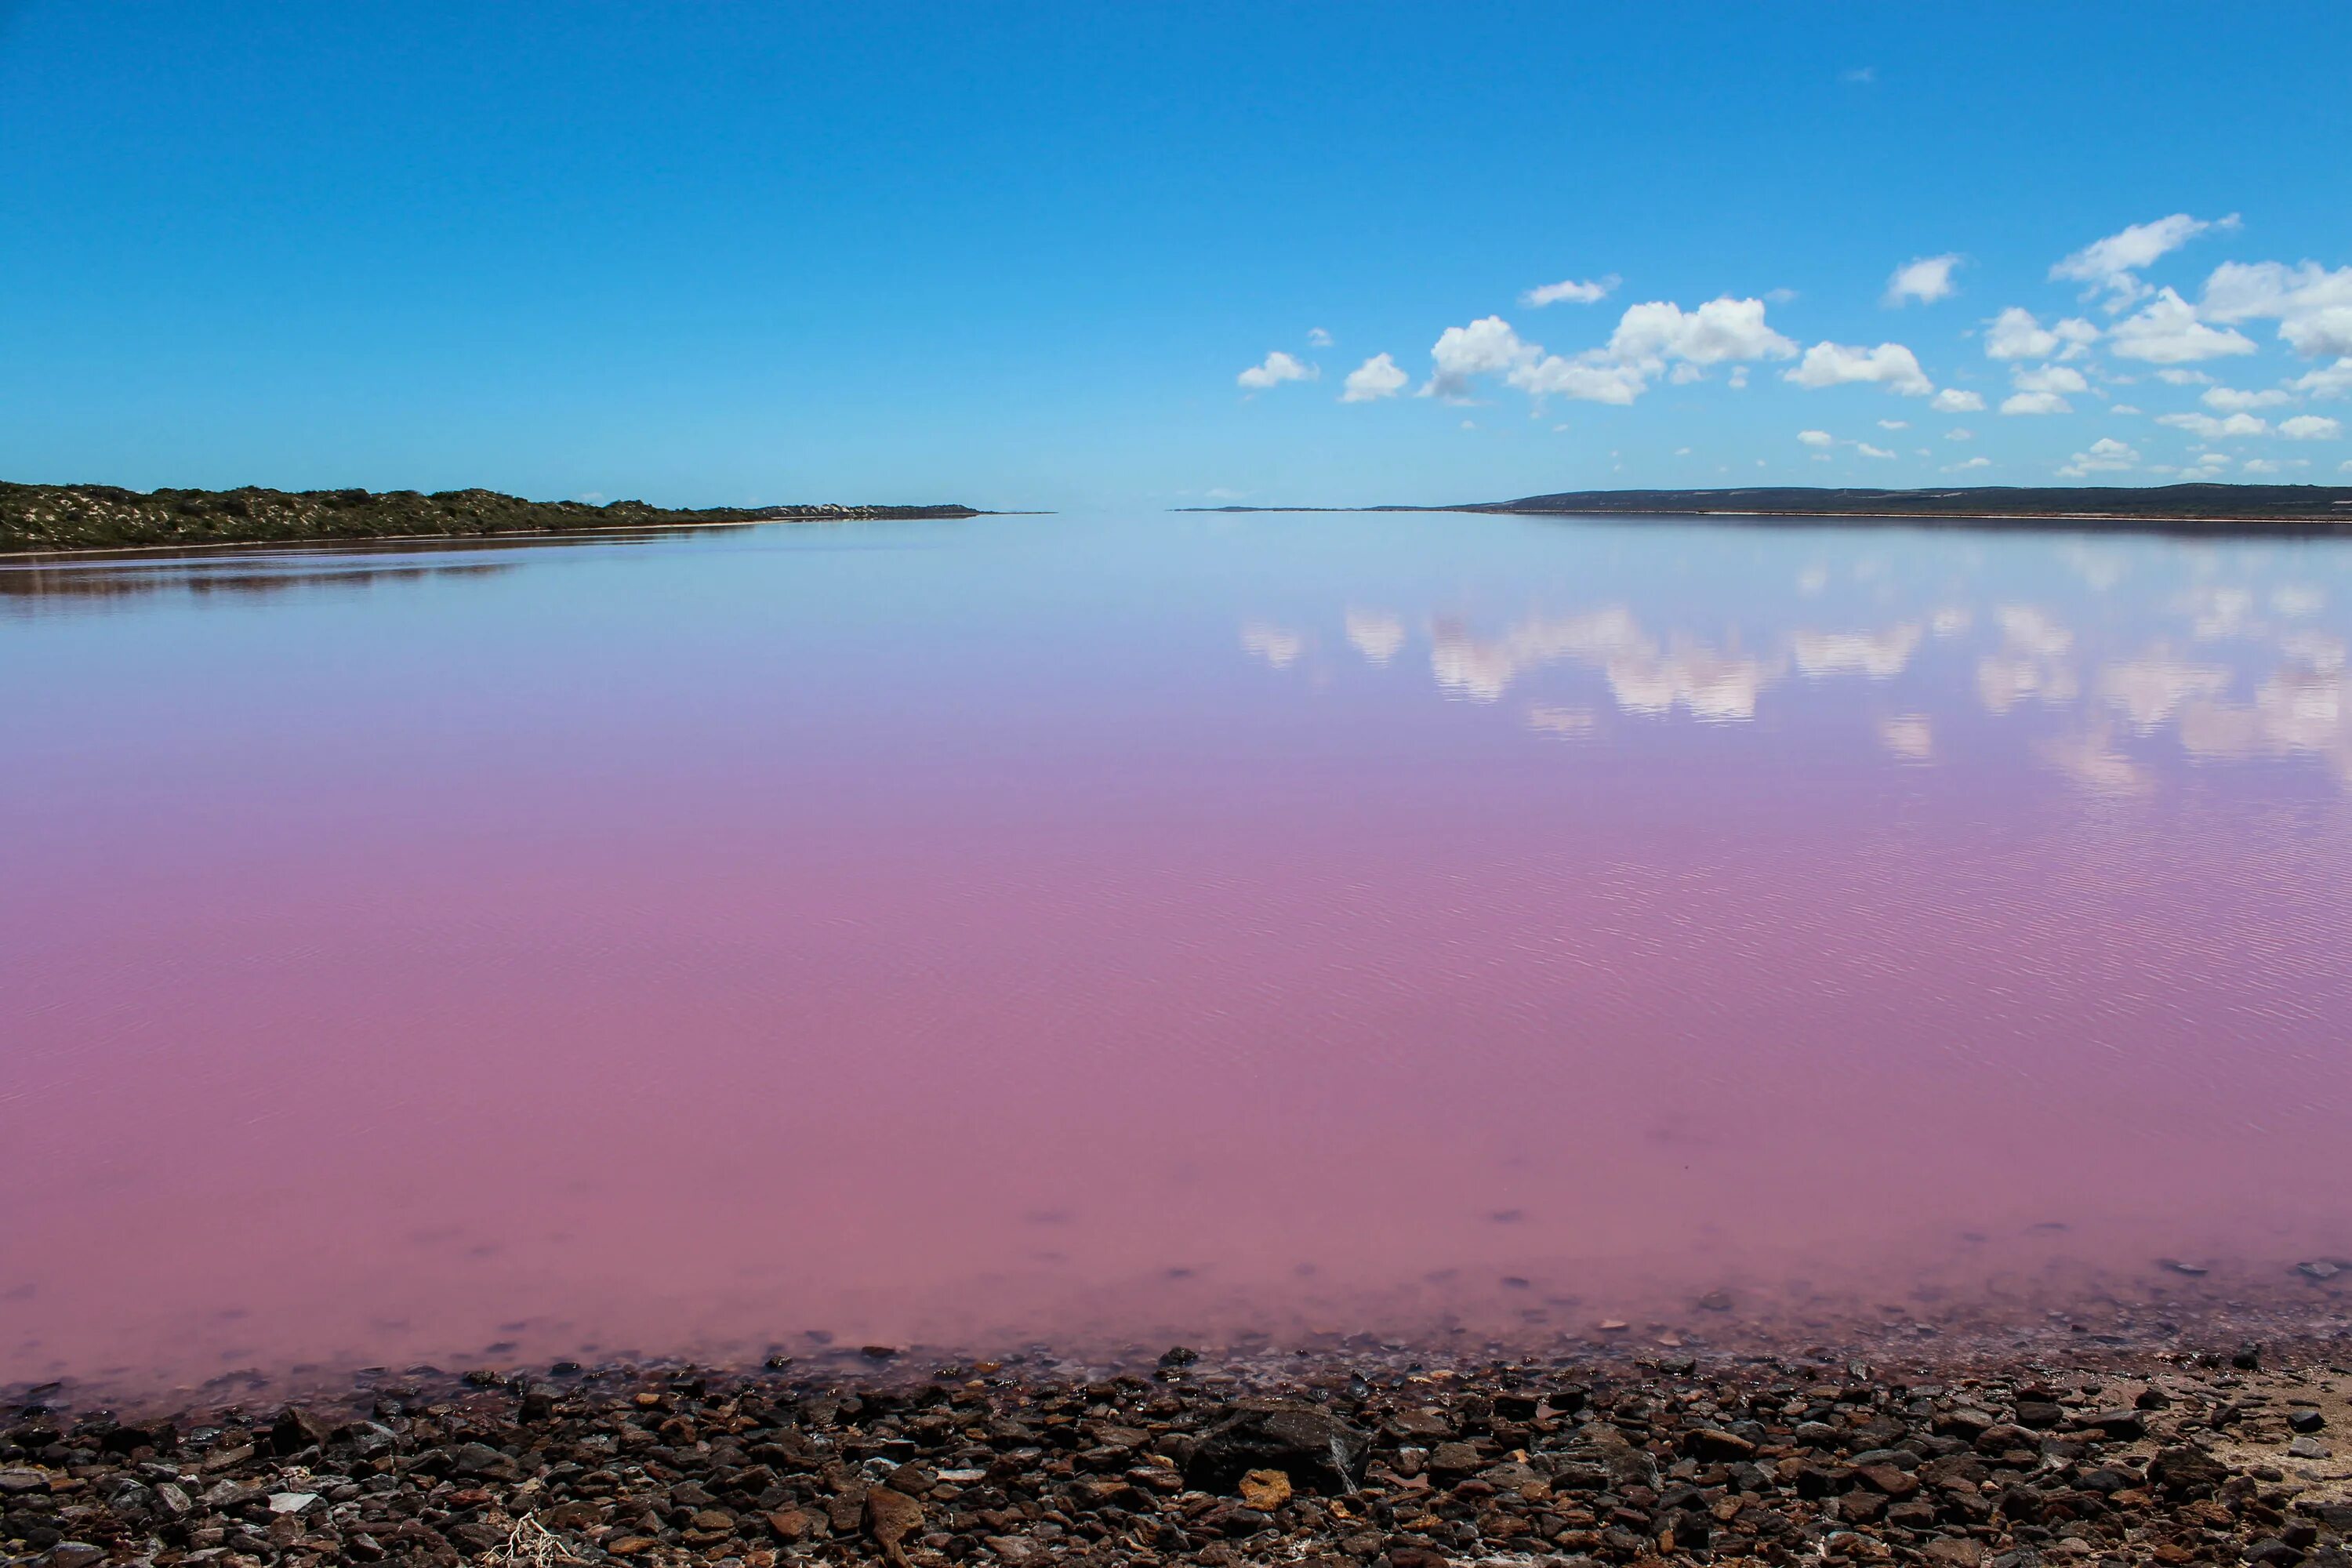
(2155, 505)
(102, 517)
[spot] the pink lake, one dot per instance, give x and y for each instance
(1136, 927)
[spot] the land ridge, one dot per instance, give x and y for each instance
(2188, 504)
(43, 517)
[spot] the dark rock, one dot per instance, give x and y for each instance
(2306, 1421)
(1315, 1448)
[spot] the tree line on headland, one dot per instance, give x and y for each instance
(104, 517)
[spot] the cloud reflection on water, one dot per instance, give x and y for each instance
(2123, 648)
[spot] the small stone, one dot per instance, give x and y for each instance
(791, 1525)
(2318, 1268)
(2308, 1448)
(75, 1554)
(1265, 1490)
(2306, 1421)
(20, 1482)
(1716, 1301)
(891, 1515)
(291, 1502)
(630, 1545)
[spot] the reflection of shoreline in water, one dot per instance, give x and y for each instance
(23, 589)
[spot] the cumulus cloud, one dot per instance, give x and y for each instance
(2056, 378)
(2167, 331)
(1486, 346)
(1279, 368)
(1647, 339)
(1721, 329)
(1816, 438)
(1971, 463)
(1890, 365)
(2184, 378)
(1571, 292)
(1959, 433)
(2015, 334)
(2328, 381)
(2036, 403)
(2112, 264)
(1894, 425)
(1376, 378)
(1953, 400)
(1316, 338)
(2213, 429)
(2310, 428)
(1925, 279)
(1867, 450)
(2107, 456)
(2312, 305)
(2229, 400)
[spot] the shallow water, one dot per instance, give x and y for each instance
(1026, 928)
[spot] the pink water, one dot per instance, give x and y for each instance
(1100, 928)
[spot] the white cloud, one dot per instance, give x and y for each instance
(1816, 438)
(1572, 292)
(1721, 329)
(2229, 400)
(2261, 466)
(2036, 403)
(2310, 428)
(1648, 337)
(1959, 433)
(2055, 378)
(2167, 331)
(1861, 76)
(1486, 346)
(2107, 456)
(1593, 380)
(1316, 338)
(1971, 463)
(1739, 378)
(1926, 280)
(2184, 377)
(2213, 429)
(1867, 450)
(1894, 425)
(1376, 378)
(2312, 305)
(1835, 365)
(2016, 335)
(2328, 381)
(2110, 263)
(1279, 368)
(1953, 400)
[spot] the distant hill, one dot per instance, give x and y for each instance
(2186, 505)
(97, 517)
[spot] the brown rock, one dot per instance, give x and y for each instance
(1265, 1490)
(891, 1517)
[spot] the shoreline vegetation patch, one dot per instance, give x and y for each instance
(105, 517)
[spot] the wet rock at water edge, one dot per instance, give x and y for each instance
(1315, 1448)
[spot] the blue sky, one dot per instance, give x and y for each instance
(1021, 255)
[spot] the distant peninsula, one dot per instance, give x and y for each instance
(103, 517)
(2185, 506)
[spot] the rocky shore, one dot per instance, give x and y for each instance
(103, 517)
(1366, 1457)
